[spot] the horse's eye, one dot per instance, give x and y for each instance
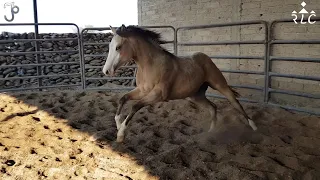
(118, 48)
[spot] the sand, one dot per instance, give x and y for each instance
(71, 135)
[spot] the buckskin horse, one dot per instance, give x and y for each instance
(162, 76)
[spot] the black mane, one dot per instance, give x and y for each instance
(142, 33)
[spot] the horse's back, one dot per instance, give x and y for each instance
(213, 74)
(204, 61)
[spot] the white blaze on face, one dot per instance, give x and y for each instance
(113, 56)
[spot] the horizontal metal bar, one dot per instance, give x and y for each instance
(240, 99)
(223, 25)
(41, 64)
(111, 78)
(243, 72)
(107, 43)
(247, 87)
(108, 28)
(307, 95)
(42, 87)
(313, 78)
(32, 40)
(305, 41)
(295, 109)
(37, 52)
(41, 76)
(40, 24)
(110, 89)
(98, 67)
(232, 57)
(96, 55)
(158, 27)
(237, 57)
(96, 43)
(221, 43)
(299, 59)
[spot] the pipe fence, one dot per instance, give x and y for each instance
(269, 73)
(38, 52)
(268, 58)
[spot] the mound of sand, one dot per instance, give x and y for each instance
(72, 135)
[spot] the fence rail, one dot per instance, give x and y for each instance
(267, 57)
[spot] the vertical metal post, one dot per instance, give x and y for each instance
(81, 57)
(36, 36)
(267, 65)
(175, 42)
(134, 75)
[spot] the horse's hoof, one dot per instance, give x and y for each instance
(252, 125)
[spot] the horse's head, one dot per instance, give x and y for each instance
(120, 51)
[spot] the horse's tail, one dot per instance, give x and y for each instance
(235, 92)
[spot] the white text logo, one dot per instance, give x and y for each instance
(303, 13)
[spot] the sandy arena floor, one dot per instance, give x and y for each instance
(71, 135)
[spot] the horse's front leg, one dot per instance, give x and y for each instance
(134, 94)
(153, 97)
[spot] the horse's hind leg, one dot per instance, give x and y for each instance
(231, 96)
(200, 100)
(205, 103)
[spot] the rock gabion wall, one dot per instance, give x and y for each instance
(73, 58)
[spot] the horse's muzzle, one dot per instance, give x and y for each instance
(108, 71)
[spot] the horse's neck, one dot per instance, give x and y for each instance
(147, 56)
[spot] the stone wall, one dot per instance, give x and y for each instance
(51, 45)
(199, 12)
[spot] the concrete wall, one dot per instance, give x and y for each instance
(197, 12)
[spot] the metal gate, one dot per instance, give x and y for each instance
(40, 75)
(270, 74)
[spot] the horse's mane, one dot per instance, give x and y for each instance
(145, 34)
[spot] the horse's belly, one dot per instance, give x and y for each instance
(183, 89)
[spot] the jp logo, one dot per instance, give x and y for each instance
(303, 13)
(14, 10)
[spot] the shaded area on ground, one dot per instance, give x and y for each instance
(72, 135)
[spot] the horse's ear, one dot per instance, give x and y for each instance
(122, 31)
(113, 29)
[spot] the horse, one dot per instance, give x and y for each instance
(162, 76)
